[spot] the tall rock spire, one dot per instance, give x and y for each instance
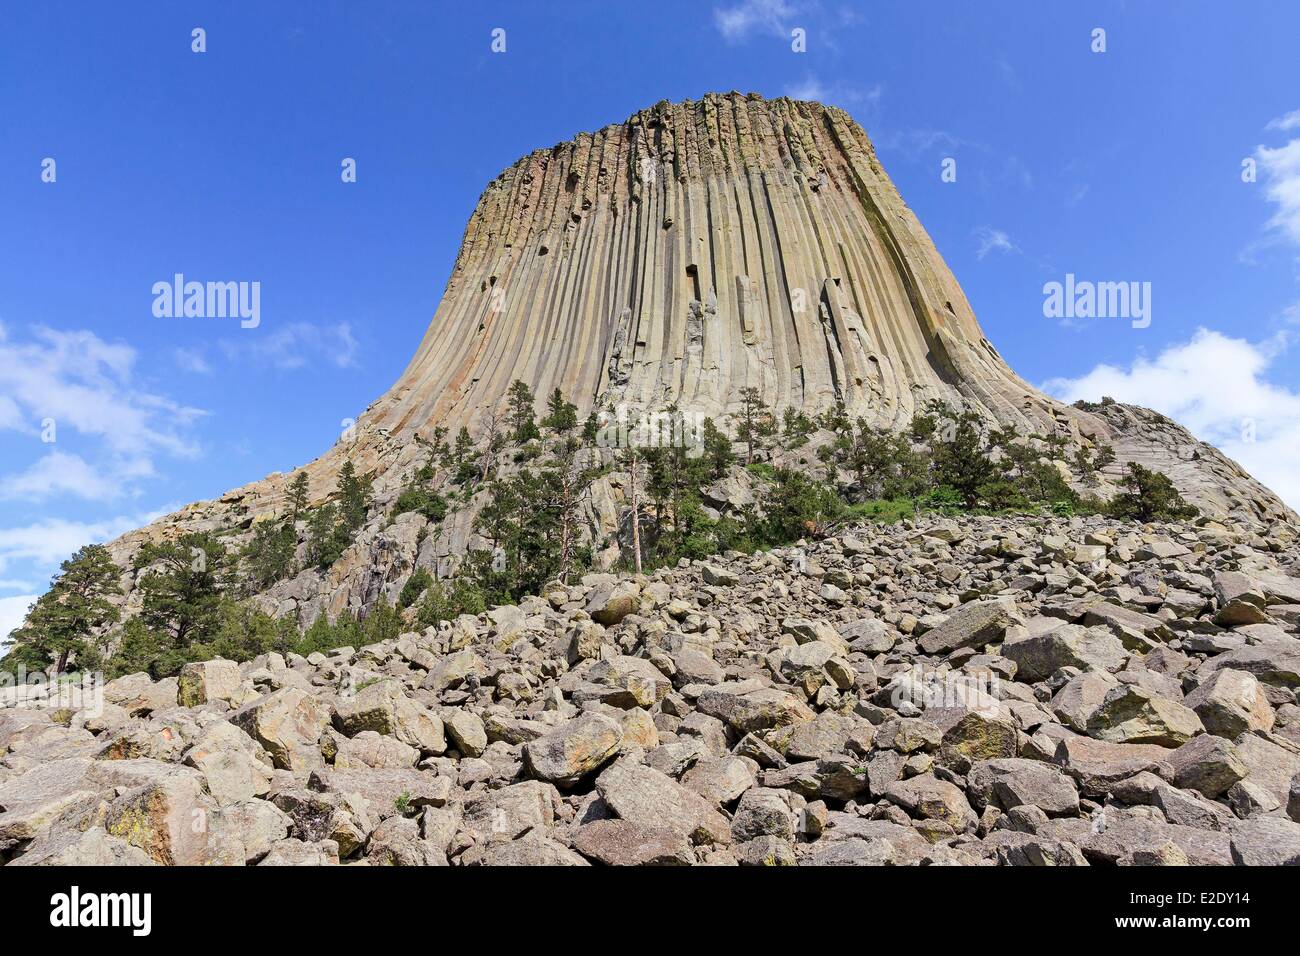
(693, 250)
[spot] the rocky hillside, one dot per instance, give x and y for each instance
(976, 691)
(686, 254)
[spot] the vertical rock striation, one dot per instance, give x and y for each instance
(693, 250)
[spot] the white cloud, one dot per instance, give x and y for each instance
(1281, 168)
(1216, 387)
(1282, 171)
(1289, 122)
(58, 472)
(836, 94)
(754, 16)
(993, 240)
(191, 360)
(55, 385)
(294, 346)
(12, 612)
(50, 540)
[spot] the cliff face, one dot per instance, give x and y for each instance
(695, 249)
(680, 256)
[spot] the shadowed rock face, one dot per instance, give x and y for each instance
(696, 249)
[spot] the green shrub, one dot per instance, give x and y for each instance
(415, 585)
(428, 503)
(1149, 496)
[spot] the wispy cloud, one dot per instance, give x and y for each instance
(294, 346)
(750, 17)
(1281, 169)
(992, 240)
(191, 360)
(12, 612)
(1285, 123)
(836, 94)
(46, 542)
(1218, 388)
(59, 386)
(59, 473)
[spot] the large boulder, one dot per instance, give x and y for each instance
(204, 681)
(385, 708)
(1131, 715)
(234, 765)
(646, 796)
(930, 798)
(754, 710)
(574, 749)
(1040, 655)
(288, 723)
(168, 818)
(610, 603)
(624, 843)
(1014, 782)
(971, 625)
(1231, 703)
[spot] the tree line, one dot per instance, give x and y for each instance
(530, 479)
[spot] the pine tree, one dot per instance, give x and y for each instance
(1149, 496)
(69, 618)
(755, 421)
(631, 460)
(464, 459)
(324, 544)
(297, 495)
(520, 402)
(354, 498)
(561, 416)
(567, 483)
(717, 449)
(183, 595)
(961, 458)
(270, 553)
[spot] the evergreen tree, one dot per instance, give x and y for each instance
(795, 427)
(382, 622)
(270, 553)
(521, 405)
(464, 459)
(297, 495)
(324, 543)
(961, 459)
(561, 416)
(755, 421)
(184, 593)
(354, 498)
(796, 505)
(415, 586)
(566, 483)
(445, 601)
(1149, 496)
(717, 449)
(69, 619)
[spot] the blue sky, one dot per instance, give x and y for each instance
(1123, 165)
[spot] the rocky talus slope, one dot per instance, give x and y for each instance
(977, 691)
(693, 250)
